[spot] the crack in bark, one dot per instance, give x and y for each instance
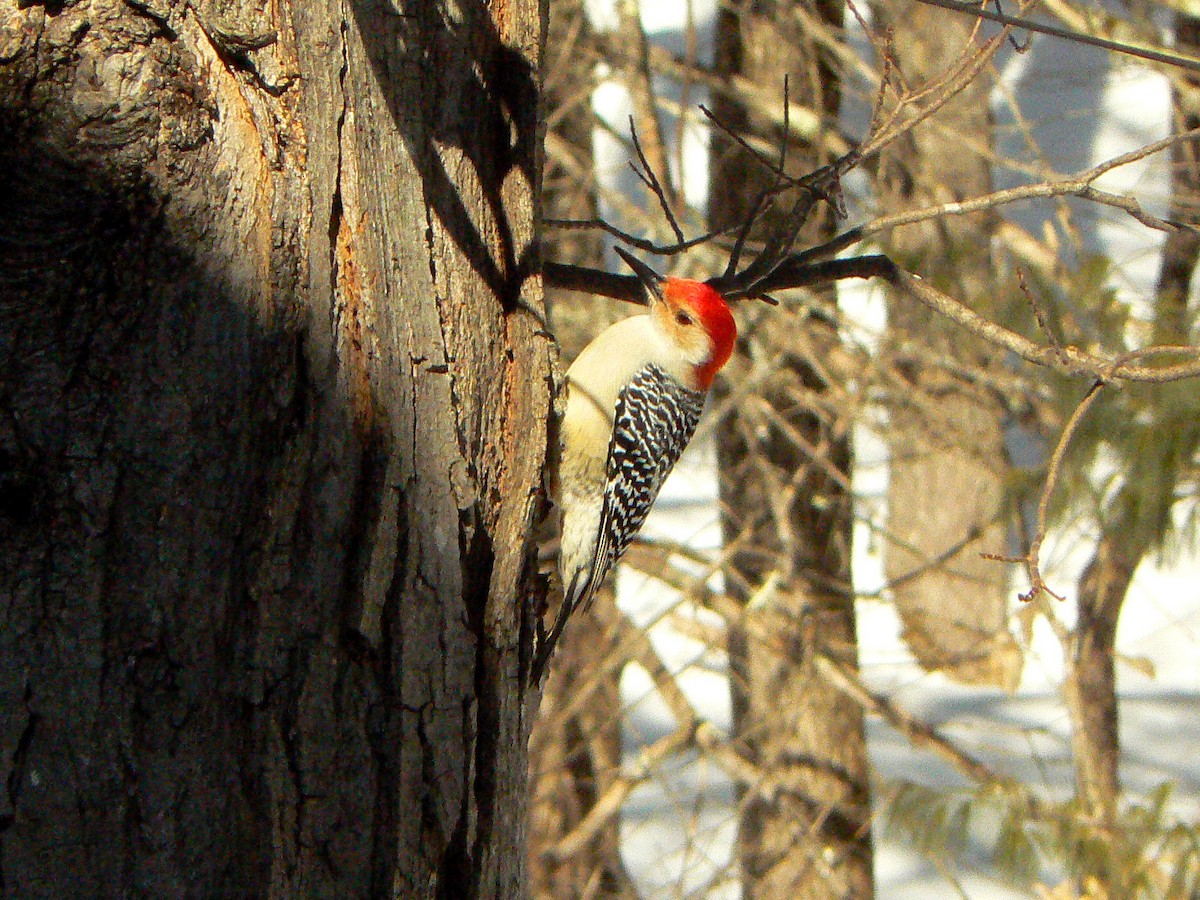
(335, 209)
(292, 754)
(16, 768)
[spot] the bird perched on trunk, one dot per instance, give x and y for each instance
(634, 397)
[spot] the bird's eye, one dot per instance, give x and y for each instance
(683, 318)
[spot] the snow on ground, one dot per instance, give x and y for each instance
(678, 831)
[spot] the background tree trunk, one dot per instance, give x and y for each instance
(273, 392)
(784, 481)
(945, 430)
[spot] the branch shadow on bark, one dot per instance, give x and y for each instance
(497, 93)
(464, 99)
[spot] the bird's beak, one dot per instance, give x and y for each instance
(646, 275)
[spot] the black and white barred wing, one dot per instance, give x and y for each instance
(655, 418)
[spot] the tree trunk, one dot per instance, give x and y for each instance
(784, 462)
(945, 431)
(1091, 685)
(273, 394)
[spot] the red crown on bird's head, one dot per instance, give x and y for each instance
(713, 313)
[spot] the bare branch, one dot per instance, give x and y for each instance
(635, 242)
(1078, 185)
(738, 138)
(1041, 314)
(645, 102)
(650, 179)
(593, 281)
(974, 9)
(647, 765)
(1067, 360)
(1037, 585)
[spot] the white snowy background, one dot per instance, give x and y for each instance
(677, 831)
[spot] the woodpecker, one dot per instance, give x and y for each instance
(634, 397)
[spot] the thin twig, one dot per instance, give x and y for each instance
(1037, 583)
(1040, 314)
(1067, 360)
(608, 805)
(637, 243)
(974, 9)
(738, 139)
(1079, 185)
(735, 254)
(650, 179)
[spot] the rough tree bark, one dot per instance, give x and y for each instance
(784, 461)
(945, 432)
(273, 393)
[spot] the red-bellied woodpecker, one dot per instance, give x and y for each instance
(634, 397)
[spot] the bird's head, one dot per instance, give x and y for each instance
(692, 314)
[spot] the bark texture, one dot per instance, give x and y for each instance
(784, 461)
(273, 393)
(945, 430)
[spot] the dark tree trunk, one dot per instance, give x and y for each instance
(1091, 684)
(273, 394)
(945, 431)
(785, 461)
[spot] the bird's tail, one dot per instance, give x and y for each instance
(577, 595)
